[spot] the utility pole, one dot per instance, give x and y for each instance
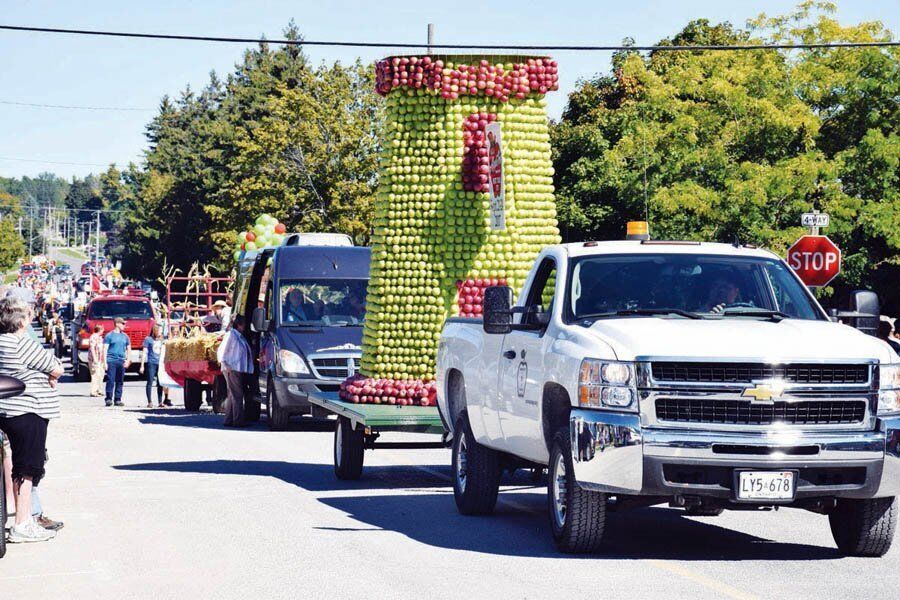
(98, 235)
(430, 36)
(30, 230)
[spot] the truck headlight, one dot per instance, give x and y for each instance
(291, 363)
(889, 389)
(606, 384)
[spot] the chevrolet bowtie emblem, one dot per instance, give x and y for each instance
(764, 392)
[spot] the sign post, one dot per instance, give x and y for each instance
(496, 184)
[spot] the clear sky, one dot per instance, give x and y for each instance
(70, 70)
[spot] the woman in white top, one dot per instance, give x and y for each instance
(24, 418)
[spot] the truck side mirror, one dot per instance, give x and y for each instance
(497, 312)
(865, 304)
(259, 323)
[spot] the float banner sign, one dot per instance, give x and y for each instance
(495, 176)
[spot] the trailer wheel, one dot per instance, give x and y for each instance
(193, 395)
(348, 450)
(219, 394)
(577, 516)
(276, 417)
(476, 471)
(80, 372)
(864, 527)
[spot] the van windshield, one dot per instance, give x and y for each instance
(686, 285)
(322, 302)
(127, 309)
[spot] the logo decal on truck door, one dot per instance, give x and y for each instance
(521, 378)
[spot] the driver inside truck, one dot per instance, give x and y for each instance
(723, 293)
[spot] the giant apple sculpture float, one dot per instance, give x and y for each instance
(433, 251)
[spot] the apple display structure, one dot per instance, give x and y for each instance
(433, 249)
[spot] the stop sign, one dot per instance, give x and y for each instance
(815, 259)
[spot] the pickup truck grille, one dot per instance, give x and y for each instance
(136, 337)
(700, 372)
(335, 368)
(743, 412)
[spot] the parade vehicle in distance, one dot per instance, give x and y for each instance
(137, 310)
(305, 307)
(704, 375)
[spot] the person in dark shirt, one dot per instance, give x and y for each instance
(886, 333)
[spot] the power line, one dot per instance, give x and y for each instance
(55, 162)
(10, 102)
(289, 42)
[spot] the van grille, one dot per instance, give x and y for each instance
(704, 372)
(744, 412)
(334, 368)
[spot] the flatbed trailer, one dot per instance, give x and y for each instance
(360, 425)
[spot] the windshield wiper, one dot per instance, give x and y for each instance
(627, 312)
(754, 312)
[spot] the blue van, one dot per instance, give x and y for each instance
(305, 307)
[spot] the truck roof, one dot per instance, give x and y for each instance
(577, 249)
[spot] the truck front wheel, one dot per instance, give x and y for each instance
(476, 471)
(577, 516)
(864, 527)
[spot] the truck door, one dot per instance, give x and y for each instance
(266, 338)
(522, 371)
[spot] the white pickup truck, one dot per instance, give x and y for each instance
(703, 375)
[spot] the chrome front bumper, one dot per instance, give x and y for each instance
(612, 453)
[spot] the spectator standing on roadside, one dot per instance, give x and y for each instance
(235, 357)
(885, 332)
(24, 418)
(96, 362)
(152, 348)
(116, 345)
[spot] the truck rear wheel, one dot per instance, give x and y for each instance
(476, 472)
(276, 417)
(193, 395)
(864, 527)
(219, 394)
(577, 516)
(349, 447)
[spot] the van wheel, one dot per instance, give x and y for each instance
(276, 417)
(349, 447)
(193, 395)
(864, 527)
(577, 516)
(476, 472)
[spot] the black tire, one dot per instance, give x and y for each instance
(81, 373)
(349, 447)
(2, 506)
(476, 471)
(864, 527)
(704, 511)
(193, 395)
(577, 516)
(277, 418)
(219, 394)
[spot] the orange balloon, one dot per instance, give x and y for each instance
(280, 228)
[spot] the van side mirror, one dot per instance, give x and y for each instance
(497, 309)
(259, 323)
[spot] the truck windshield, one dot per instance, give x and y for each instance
(127, 309)
(323, 302)
(685, 285)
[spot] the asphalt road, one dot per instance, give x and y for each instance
(165, 504)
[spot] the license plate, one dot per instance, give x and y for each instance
(765, 485)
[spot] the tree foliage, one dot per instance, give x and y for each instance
(12, 246)
(277, 135)
(736, 145)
